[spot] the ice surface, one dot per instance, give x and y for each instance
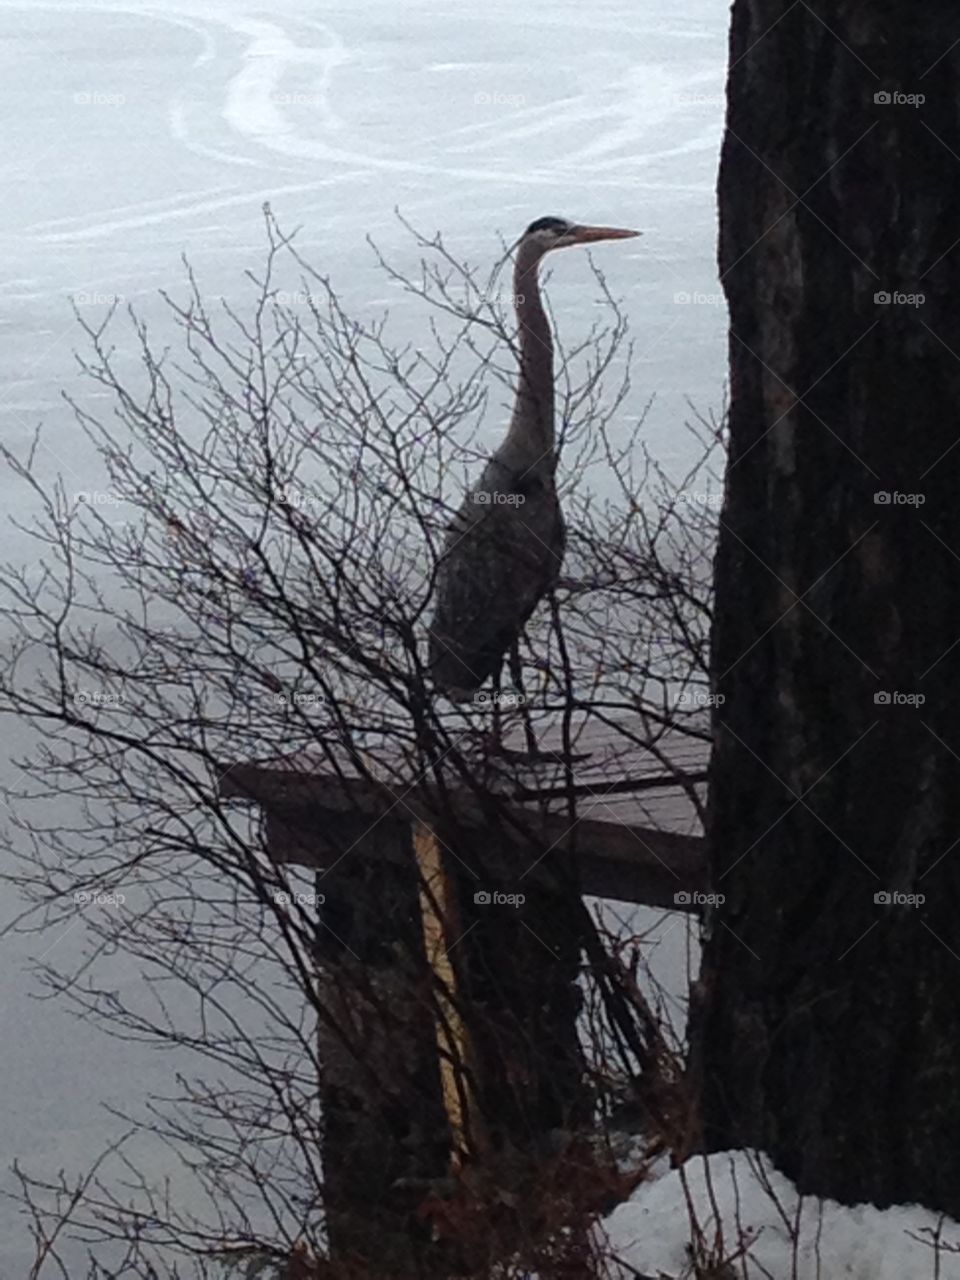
(138, 131)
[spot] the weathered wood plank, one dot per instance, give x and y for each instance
(314, 819)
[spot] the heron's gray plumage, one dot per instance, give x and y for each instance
(500, 561)
(505, 545)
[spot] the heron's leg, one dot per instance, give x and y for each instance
(516, 675)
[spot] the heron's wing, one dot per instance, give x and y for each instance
(501, 557)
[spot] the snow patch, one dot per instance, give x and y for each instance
(651, 1231)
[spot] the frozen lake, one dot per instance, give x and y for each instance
(138, 132)
(142, 132)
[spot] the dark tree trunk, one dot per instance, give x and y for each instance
(828, 1022)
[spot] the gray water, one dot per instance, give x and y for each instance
(138, 132)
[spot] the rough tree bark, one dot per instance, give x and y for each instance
(828, 1021)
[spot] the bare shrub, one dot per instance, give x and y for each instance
(259, 586)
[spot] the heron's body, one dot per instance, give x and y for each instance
(506, 558)
(505, 545)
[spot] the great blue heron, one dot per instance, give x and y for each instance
(505, 545)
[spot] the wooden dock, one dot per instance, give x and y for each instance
(629, 810)
(466, 1012)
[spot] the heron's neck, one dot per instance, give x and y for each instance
(530, 438)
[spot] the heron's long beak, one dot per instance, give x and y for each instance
(587, 235)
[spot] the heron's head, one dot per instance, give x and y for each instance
(559, 233)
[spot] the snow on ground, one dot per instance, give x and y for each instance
(651, 1231)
